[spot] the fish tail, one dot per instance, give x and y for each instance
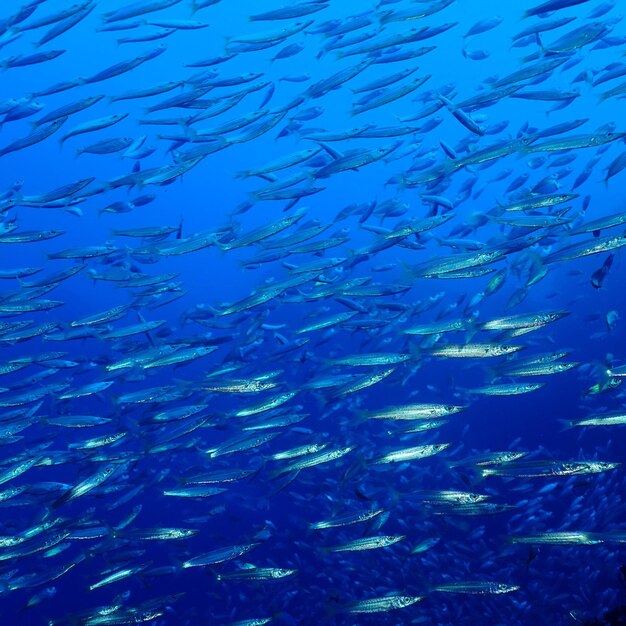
(486, 472)
(277, 473)
(59, 502)
(472, 328)
(291, 204)
(415, 352)
(543, 51)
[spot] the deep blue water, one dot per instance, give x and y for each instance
(56, 542)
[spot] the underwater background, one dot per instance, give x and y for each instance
(311, 313)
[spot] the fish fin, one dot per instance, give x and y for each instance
(335, 154)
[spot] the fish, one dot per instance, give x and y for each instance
(123, 67)
(390, 95)
(195, 491)
(91, 482)
(521, 324)
(414, 411)
(277, 359)
(383, 604)
(38, 135)
(586, 248)
(472, 351)
(258, 573)
(117, 575)
(316, 458)
(93, 125)
(615, 419)
(559, 538)
(220, 555)
(69, 22)
(532, 469)
(347, 520)
(410, 454)
(367, 360)
(367, 543)
(507, 389)
(477, 587)
(136, 9)
(106, 146)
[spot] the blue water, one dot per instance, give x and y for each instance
(558, 584)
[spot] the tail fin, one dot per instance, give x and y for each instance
(565, 425)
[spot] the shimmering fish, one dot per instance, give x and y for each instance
(383, 604)
(477, 587)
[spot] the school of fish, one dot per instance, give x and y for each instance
(310, 312)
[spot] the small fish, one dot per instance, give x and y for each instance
(117, 575)
(383, 604)
(507, 389)
(90, 483)
(533, 469)
(411, 454)
(259, 573)
(368, 543)
(196, 491)
(347, 520)
(136, 9)
(559, 538)
(414, 412)
(220, 555)
(314, 459)
(476, 350)
(94, 125)
(37, 136)
(157, 534)
(613, 419)
(289, 12)
(425, 545)
(477, 587)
